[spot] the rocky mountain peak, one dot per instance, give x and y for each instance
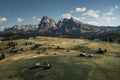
(47, 25)
(68, 24)
(45, 17)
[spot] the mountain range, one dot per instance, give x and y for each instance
(65, 27)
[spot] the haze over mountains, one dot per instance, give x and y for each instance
(71, 27)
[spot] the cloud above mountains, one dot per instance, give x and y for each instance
(67, 16)
(81, 9)
(3, 19)
(84, 14)
(110, 19)
(109, 16)
(91, 13)
(19, 20)
(87, 14)
(36, 19)
(93, 23)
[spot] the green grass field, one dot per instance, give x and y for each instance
(66, 65)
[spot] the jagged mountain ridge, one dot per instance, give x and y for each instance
(71, 27)
(21, 28)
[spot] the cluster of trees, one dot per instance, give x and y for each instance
(2, 56)
(108, 36)
(41, 50)
(12, 44)
(14, 36)
(58, 47)
(13, 50)
(101, 51)
(36, 46)
(28, 43)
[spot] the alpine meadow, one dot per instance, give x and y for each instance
(59, 40)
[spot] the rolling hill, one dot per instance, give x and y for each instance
(62, 54)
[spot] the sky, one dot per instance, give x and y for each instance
(23, 12)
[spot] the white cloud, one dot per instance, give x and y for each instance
(67, 16)
(78, 10)
(90, 13)
(19, 20)
(114, 8)
(3, 20)
(110, 19)
(76, 18)
(36, 19)
(81, 9)
(71, 12)
(85, 15)
(93, 23)
(110, 12)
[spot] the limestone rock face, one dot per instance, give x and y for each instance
(47, 25)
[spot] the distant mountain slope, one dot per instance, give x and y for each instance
(107, 36)
(21, 28)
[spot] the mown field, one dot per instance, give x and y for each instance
(62, 53)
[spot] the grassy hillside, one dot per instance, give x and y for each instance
(67, 67)
(62, 53)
